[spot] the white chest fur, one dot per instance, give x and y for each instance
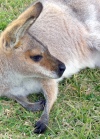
(20, 86)
(26, 87)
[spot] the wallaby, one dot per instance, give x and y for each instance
(69, 29)
(26, 66)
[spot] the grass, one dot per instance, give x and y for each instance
(75, 115)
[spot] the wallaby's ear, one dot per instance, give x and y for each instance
(94, 42)
(17, 29)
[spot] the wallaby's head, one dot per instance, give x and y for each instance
(28, 55)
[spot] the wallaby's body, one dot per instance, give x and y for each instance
(69, 29)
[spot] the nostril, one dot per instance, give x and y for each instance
(61, 69)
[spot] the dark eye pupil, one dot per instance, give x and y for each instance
(36, 58)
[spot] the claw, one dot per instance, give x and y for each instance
(43, 102)
(40, 127)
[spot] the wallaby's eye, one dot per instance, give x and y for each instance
(36, 58)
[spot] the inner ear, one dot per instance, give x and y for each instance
(17, 29)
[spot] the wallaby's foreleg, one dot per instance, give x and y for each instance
(50, 90)
(37, 106)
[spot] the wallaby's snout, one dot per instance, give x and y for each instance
(55, 67)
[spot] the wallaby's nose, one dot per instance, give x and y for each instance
(62, 68)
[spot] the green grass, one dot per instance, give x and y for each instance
(75, 115)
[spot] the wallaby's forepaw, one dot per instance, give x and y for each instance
(37, 106)
(40, 127)
(42, 102)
